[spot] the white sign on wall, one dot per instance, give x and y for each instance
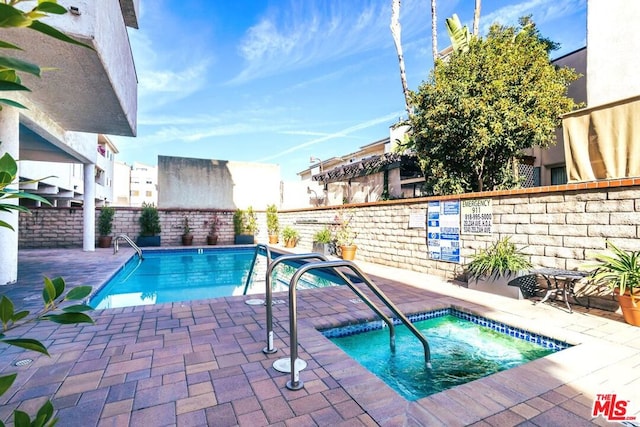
(477, 216)
(443, 230)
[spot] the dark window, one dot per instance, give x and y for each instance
(558, 175)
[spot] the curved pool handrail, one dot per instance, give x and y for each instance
(295, 383)
(300, 257)
(127, 239)
(253, 263)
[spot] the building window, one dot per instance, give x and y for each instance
(135, 193)
(148, 194)
(559, 175)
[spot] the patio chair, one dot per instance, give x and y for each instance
(528, 285)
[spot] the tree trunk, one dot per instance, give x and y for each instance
(395, 32)
(476, 18)
(434, 32)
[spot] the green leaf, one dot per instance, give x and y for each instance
(45, 413)
(68, 318)
(8, 164)
(21, 419)
(58, 283)
(7, 45)
(6, 310)
(48, 292)
(20, 315)
(27, 344)
(12, 17)
(7, 86)
(6, 381)
(77, 308)
(51, 7)
(12, 103)
(6, 225)
(50, 31)
(78, 293)
(19, 65)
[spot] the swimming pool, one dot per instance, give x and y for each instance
(464, 347)
(175, 275)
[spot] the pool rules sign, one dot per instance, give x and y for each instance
(443, 230)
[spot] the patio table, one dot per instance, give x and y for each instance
(560, 281)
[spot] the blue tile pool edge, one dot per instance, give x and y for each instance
(544, 341)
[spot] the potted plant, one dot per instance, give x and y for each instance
(187, 236)
(491, 269)
(245, 226)
(105, 223)
(149, 226)
(290, 236)
(273, 225)
(345, 235)
(620, 272)
(212, 237)
(322, 241)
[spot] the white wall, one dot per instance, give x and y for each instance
(613, 45)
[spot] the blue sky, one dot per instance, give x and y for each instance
(279, 81)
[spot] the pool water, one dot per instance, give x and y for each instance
(461, 351)
(193, 274)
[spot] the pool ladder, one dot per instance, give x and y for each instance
(127, 239)
(324, 263)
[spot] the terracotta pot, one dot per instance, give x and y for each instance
(273, 239)
(290, 243)
(104, 241)
(348, 252)
(630, 306)
(187, 239)
(212, 240)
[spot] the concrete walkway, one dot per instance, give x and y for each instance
(201, 363)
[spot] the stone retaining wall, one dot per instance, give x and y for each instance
(558, 226)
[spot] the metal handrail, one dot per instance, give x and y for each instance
(253, 263)
(126, 238)
(295, 383)
(299, 257)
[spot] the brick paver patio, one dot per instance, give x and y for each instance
(201, 363)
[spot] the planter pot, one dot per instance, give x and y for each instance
(244, 239)
(104, 241)
(348, 252)
(323, 248)
(290, 243)
(212, 240)
(273, 239)
(148, 241)
(497, 285)
(630, 306)
(187, 239)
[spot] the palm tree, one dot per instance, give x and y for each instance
(476, 18)
(434, 31)
(395, 32)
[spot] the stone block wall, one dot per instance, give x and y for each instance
(557, 226)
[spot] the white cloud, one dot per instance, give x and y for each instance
(339, 134)
(303, 34)
(542, 11)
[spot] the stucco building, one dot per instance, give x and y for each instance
(91, 92)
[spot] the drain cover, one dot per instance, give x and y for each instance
(254, 301)
(284, 365)
(23, 362)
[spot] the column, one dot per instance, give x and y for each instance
(89, 209)
(9, 129)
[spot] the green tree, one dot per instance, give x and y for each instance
(481, 108)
